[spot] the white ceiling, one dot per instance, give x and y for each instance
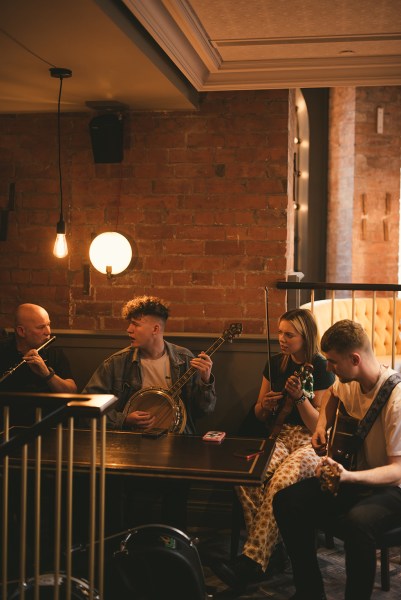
(159, 54)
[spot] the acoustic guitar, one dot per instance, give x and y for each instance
(165, 404)
(348, 435)
(342, 447)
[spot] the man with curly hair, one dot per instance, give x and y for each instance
(151, 361)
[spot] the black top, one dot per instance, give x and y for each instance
(322, 379)
(24, 379)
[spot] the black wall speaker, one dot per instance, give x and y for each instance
(107, 138)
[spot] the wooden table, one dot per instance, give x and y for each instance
(171, 456)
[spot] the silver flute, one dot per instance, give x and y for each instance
(11, 371)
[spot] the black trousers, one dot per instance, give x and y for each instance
(359, 513)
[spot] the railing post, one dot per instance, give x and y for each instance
(23, 520)
(37, 503)
(25, 451)
(4, 541)
(92, 510)
(57, 509)
(69, 511)
(294, 296)
(102, 506)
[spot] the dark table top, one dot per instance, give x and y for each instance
(173, 456)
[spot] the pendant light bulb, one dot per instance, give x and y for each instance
(60, 249)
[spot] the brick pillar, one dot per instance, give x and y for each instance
(377, 186)
(340, 184)
(364, 186)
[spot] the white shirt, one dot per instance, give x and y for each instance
(156, 372)
(384, 438)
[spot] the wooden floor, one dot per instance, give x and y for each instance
(279, 587)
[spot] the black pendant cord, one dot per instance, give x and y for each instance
(268, 336)
(59, 151)
(61, 74)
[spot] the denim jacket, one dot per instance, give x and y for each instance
(120, 375)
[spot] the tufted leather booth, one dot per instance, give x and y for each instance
(327, 312)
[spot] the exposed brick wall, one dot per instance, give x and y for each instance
(203, 194)
(364, 164)
(377, 173)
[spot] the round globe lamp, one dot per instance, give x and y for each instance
(110, 253)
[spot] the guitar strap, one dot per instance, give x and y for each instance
(375, 408)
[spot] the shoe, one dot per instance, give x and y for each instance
(278, 561)
(238, 573)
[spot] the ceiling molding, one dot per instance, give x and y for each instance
(156, 55)
(212, 65)
(307, 40)
(160, 24)
(317, 72)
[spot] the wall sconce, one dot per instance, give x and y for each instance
(60, 249)
(4, 212)
(380, 119)
(110, 253)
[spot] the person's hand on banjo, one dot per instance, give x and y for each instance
(203, 364)
(140, 419)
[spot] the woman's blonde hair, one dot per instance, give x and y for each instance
(304, 323)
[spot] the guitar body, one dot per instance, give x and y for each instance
(343, 444)
(348, 435)
(342, 447)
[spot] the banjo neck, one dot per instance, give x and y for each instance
(228, 335)
(174, 390)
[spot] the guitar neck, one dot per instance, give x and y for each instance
(287, 403)
(176, 387)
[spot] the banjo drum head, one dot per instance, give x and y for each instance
(156, 401)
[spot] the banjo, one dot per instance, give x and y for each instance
(165, 404)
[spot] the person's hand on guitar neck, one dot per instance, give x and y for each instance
(293, 387)
(268, 404)
(203, 364)
(270, 401)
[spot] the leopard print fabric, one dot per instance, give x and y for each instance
(293, 459)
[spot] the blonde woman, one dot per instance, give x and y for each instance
(293, 458)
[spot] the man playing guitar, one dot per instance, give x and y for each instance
(367, 501)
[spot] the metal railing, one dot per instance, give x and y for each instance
(27, 479)
(355, 291)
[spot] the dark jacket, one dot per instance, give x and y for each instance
(120, 374)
